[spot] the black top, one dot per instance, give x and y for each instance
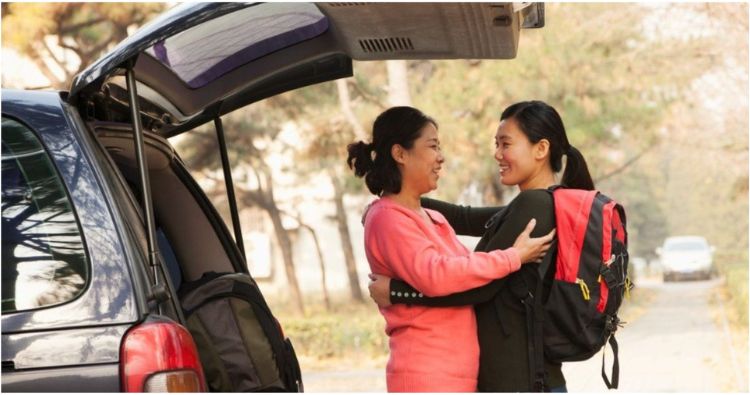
(501, 318)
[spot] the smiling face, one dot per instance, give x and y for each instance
(520, 160)
(420, 165)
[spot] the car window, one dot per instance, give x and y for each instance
(205, 52)
(43, 257)
(686, 245)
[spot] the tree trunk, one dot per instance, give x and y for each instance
(285, 243)
(263, 197)
(346, 240)
(398, 83)
(54, 81)
(345, 103)
(321, 260)
(341, 219)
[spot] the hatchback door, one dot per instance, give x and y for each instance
(199, 61)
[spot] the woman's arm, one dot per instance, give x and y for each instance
(465, 220)
(536, 204)
(386, 291)
(396, 239)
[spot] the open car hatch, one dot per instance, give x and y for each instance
(199, 61)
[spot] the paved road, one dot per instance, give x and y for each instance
(361, 380)
(677, 344)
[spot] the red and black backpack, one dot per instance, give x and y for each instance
(583, 286)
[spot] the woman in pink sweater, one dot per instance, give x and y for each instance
(432, 349)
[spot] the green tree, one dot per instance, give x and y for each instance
(328, 123)
(83, 30)
(592, 62)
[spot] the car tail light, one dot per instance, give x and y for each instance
(160, 357)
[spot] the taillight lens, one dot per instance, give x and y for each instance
(160, 357)
(180, 381)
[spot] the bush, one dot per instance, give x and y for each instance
(350, 331)
(735, 270)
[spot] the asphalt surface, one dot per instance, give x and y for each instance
(677, 343)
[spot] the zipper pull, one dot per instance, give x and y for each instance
(628, 284)
(584, 289)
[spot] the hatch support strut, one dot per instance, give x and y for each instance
(230, 187)
(142, 170)
(160, 292)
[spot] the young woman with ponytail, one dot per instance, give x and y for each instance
(432, 349)
(530, 145)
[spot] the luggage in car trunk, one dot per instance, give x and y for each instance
(241, 345)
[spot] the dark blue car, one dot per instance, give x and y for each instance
(101, 221)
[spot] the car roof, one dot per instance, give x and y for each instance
(198, 61)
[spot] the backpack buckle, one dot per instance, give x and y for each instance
(608, 276)
(612, 323)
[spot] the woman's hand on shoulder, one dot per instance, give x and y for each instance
(533, 249)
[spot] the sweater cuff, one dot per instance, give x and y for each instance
(400, 293)
(515, 258)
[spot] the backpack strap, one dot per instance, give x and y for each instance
(532, 303)
(260, 308)
(536, 318)
(615, 366)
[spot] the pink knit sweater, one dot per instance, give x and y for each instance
(432, 349)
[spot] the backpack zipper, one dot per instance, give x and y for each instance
(584, 289)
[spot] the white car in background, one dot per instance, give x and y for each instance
(686, 257)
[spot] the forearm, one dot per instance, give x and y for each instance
(437, 275)
(399, 243)
(403, 293)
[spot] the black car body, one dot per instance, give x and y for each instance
(99, 235)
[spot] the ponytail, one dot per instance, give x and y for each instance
(576, 173)
(360, 158)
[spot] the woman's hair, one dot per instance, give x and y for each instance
(373, 161)
(538, 120)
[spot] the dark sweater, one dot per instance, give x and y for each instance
(501, 319)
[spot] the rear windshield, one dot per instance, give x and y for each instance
(686, 245)
(205, 52)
